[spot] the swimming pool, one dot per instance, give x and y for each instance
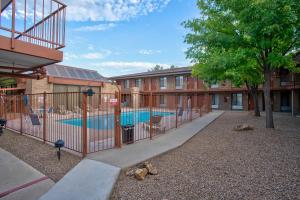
(103, 122)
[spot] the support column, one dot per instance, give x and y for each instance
(117, 113)
(44, 118)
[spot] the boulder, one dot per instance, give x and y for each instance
(243, 127)
(151, 170)
(130, 172)
(140, 174)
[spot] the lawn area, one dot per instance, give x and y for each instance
(39, 155)
(219, 163)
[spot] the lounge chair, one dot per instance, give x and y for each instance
(62, 110)
(77, 110)
(156, 124)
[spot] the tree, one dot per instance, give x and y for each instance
(265, 33)
(173, 67)
(156, 68)
(238, 70)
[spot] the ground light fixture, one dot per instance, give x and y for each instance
(2, 125)
(59, 144)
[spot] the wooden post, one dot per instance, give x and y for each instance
(151, 123)
(84, 125)
(13, 12)
(44, 117)
(21, 115)
(117, 114)
(176, 104)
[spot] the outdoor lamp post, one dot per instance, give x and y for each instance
(59, 144)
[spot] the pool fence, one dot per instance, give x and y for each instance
(89, 122)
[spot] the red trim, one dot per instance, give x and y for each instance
(3, 194)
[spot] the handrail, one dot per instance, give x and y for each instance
(48, 32)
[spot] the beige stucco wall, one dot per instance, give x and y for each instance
(109, 88)
(38, 86)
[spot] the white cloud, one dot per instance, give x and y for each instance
(96, 55)
(99, 27)
(149, 51)
(128, 67)
(111, 10)
(69, 56)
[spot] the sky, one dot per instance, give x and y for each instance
(117, 37)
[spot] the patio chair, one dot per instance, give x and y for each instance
(62, 109)
(77, 110)
(156, 124)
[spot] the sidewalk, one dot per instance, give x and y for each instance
(20, 181)
(130, 155)
(94, 178)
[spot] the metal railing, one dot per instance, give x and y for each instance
(39, 22)
(93, 123)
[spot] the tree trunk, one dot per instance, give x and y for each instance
(254, 94)
(267, 95)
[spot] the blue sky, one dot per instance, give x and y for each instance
(117, 37)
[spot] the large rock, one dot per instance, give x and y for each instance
(151, 170)
(130, 172)
(243, 127)
(140, 174)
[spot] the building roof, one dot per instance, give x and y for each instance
(164, 72)
(68, 72)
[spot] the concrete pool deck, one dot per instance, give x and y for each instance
(94, 177)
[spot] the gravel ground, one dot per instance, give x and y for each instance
(219, 163)
(39, 155)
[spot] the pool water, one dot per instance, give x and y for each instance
(103, 122)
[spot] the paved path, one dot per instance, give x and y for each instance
(94, 178)
(20, 181)
(87, 180)
(130, 155)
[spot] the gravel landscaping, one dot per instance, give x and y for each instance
(219, 163)
(39, 155)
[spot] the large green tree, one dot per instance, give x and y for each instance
(260, 34)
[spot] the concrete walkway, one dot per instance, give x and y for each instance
(87, 180)
(94, 178)
(130, 155)
(20, 181)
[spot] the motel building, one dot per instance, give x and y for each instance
(285, 90)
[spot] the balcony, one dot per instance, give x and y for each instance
(31, 34)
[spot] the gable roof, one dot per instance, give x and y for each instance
(164, 72)
(68, 72)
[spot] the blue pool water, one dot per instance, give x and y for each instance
(102, 122)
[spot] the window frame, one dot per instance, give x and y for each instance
(139, 80)
(126, 84)
(235, 103)
(165, 81)
(181, 80)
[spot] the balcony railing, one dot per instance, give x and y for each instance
(39, 22)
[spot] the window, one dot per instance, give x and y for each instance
(138, 82)
(237, 101)
(285, 101)
(163, 82)
(126, 84)
(214, 101)
(179, 82)
(162, 100)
